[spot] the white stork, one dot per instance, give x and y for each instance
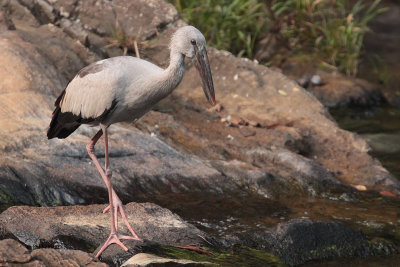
(123, 89)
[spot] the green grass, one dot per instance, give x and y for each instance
(331, 31)
(233, 25)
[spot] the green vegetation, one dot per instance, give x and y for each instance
(331, 31)
(230, 25)
(235, 256)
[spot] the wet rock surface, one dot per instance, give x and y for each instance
(268, 138)
(302, 240)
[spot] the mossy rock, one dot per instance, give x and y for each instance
(235, 256)
(381, 246)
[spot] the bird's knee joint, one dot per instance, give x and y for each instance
(108, 173)
(90, 148)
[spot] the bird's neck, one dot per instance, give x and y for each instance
(175, 70)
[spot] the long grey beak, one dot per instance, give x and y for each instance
(203, 67)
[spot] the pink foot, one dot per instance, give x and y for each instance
(114, 238)
(118, 208)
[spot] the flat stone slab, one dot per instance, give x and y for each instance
(86, 227)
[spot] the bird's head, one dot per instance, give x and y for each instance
(191, 43)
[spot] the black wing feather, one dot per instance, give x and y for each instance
(65, 123)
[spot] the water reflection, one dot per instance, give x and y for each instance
(380, 127)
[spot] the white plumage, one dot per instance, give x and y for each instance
(124, 89)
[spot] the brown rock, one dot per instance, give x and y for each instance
(5, 23)
(320, 139)
(247, 132)
(338, 90)
(55, 258)
(217, 108)
(75, 31)
(44, 12)
(13, 253)
(51, 58)
(19, 13)
(87, 227)
(236, 120)
(134, 17)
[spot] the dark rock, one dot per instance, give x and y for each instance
(5, 22)
(75, 30)
(334, 89)
(304, 81)
(44, 12)
(65, 8)
(308, 174)
(19, 13)
(338, 90)
(302, 240)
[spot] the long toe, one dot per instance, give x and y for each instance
(125, 219)
(114, 238)
(119, 209)
(128, 237)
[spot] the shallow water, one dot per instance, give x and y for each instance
(222, 214)
(241, 213)
(380, 127)
(379, 261)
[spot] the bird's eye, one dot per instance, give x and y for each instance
(193, 42)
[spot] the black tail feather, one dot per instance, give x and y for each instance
(58, 129)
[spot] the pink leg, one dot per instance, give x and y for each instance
(114, 235)
(116, 203)
(119, 209)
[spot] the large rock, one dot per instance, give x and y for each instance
(301, 240)
(292, 118)
(296, 131)
(335, 90)
(86, 228)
